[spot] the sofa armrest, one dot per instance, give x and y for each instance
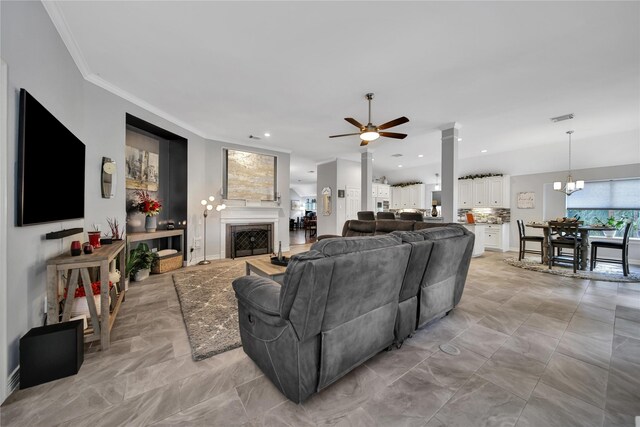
(259, 293)
(327, 236)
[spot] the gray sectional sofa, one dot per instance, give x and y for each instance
(347, 299)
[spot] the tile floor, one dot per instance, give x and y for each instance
(535, 350)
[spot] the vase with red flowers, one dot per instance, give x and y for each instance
(150, 207)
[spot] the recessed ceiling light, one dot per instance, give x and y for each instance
(483, 151)
(459, 139)
(267, 134)
(420, 155)
(399, 166)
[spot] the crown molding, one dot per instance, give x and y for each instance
(58, 20)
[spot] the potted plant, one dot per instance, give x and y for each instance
(611, 222)
(139, 262)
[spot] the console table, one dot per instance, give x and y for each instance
(74, 266)
(160, 234)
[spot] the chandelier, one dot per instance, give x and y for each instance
(570, 186)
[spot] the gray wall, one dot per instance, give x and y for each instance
(39, 62)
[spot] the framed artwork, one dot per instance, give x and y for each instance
(526, 200)
(326, 201)
(142, 169)
(249, 176)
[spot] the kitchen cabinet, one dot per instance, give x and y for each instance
(381, 191)
(479, 242)
(396, 195)
(480, 193)
(409, 197)
(465, 193)
(490, 192)
(496, 237)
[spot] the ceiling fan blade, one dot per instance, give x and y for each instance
(354, 122)
(394, 135)
(363, 143)
(344, 134)
(392, 123)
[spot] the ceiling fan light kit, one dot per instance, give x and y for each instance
(370, 132)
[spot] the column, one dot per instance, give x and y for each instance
(366, 169)
(450, 172)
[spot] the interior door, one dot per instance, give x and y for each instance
(352, 203)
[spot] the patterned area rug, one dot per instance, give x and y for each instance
(209, 306)
(604, 272)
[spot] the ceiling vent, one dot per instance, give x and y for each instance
(562, 118)
(253, 137)
(396, 155)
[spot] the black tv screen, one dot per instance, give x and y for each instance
(51, 163)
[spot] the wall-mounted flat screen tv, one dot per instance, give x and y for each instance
(51, 162)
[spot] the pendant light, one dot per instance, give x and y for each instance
(570, 186)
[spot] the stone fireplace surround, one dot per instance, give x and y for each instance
(247, 215)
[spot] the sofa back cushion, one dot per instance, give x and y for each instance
(354, 227)
(387, 226)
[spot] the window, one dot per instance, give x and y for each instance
(603, 199)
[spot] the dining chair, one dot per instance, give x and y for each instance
(366, 216)
(385, 215)
(523, 243)
(564, 235)
(622, 246)
(412, 216)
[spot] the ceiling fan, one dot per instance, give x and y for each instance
(371, 132)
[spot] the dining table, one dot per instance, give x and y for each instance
(584, 240)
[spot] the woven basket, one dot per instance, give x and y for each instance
(167, 263)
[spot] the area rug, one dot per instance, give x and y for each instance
(603, 272)
(209, 306)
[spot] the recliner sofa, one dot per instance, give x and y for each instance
(354, 227)
(347, 299)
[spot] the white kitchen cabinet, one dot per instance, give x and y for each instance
(496, 237)
(478, 243)
(480, 193)
(465, 193)
(491, 192)
(396, 197)
(383, 191)
(409, 197)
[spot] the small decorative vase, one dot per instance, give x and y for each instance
(151, 223)
(434, 211)
(76, 249)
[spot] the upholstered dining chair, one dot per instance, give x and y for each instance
(366, 216)
(385, 215)
(623, 246)
(523, 243)
(564, 235)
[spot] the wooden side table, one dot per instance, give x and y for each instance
(263, 267)
(77, 266)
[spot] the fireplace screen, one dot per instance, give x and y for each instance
(252, 239)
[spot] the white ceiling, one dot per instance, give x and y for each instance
(295, 69)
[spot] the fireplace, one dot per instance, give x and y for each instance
(249, 239)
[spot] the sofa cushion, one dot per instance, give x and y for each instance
(358, 228)
(333, 247)
(408, 236)
(387, 226)
(440, 233)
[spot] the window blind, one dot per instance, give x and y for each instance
(618, 194)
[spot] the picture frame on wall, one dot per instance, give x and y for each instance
(249, 176)
(526, 200)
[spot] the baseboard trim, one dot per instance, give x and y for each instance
(14, 381)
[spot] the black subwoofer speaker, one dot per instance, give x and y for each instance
(51, 352)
